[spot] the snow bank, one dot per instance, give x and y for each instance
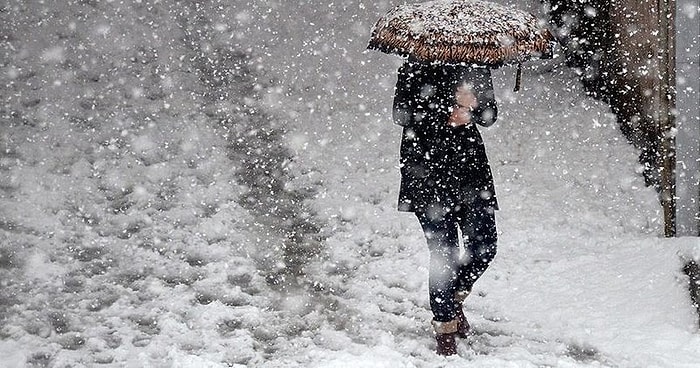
(689, 248)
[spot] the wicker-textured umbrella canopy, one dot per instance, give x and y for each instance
(461, 31)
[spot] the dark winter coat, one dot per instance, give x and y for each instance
(443, 167)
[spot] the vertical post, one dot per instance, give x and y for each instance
(687, 118)
(666, 124)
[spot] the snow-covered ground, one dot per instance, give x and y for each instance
(165, 162)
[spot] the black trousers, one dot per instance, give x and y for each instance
(449, 272)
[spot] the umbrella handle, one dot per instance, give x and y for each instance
(518, 74)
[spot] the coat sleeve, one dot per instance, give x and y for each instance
(486, 112)
(403, 102)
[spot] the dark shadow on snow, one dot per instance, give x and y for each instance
(288, 227)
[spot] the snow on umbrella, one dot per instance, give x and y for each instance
(461, 31)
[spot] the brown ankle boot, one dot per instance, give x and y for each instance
(445, 333)
(463, 325)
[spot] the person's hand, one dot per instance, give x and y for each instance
(465, 97)
(466, 102)
(460, 116)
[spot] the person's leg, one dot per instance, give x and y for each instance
(443, 243)
(479, 235)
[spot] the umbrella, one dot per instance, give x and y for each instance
(462, 31)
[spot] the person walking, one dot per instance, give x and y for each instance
(447, 182)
